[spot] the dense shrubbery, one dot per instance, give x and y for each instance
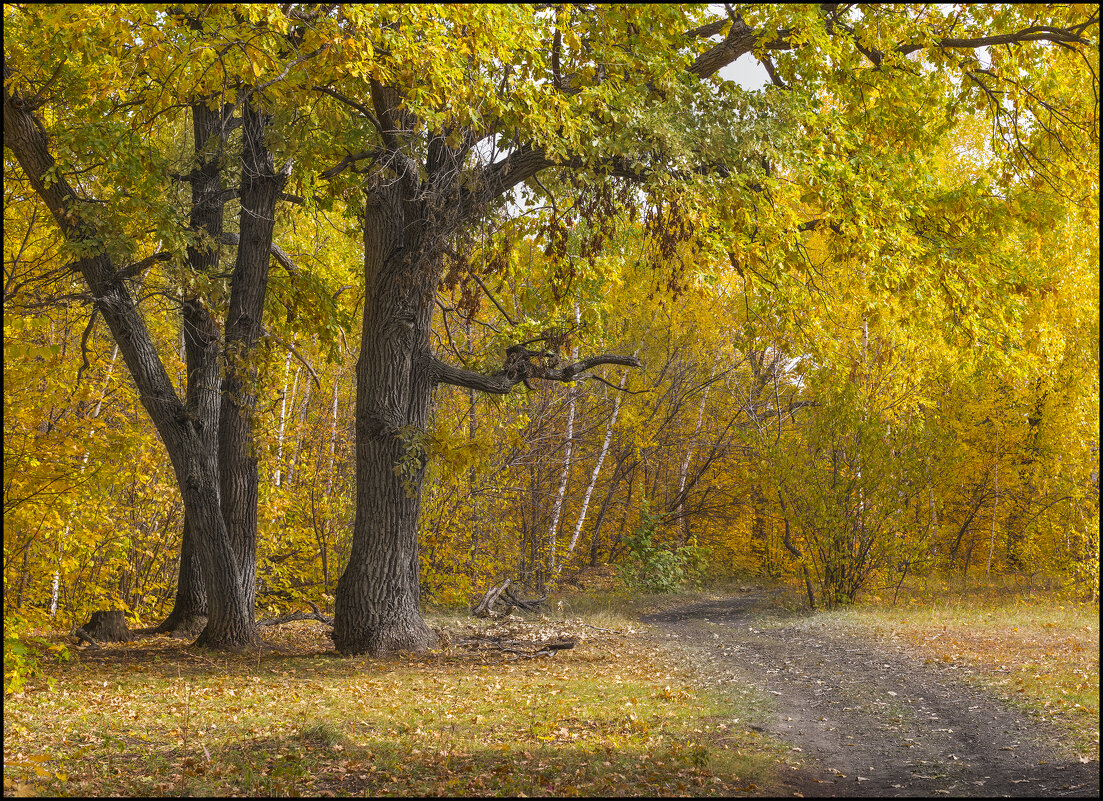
(657, 568)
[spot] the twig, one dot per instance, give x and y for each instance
(599, 628)
(83, 635)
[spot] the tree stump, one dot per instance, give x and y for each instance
(108, 626)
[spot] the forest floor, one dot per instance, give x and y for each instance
(724, 693)
(912, 703)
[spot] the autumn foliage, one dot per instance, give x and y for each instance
(870, 345)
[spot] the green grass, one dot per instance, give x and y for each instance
(615, 715)
(611, 716)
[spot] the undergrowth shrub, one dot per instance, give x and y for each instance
(24, 652)
(656, 568)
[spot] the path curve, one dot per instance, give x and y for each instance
(871, 718)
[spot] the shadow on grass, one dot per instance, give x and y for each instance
(323, 760)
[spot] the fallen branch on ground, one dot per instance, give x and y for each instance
(485, 607)
(314, 615)
(84, 636)
(548, 649)
(526, 605)
(499, 643)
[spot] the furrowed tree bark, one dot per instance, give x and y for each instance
(189, 610)
(201, 346)
(261, 185)
(378, 595)
(195, 466)
(189, 613)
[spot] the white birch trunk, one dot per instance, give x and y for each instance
(333, 435)
(593, 476)
(683, 473)
(557, 509)
(299, 428)
(283, 416)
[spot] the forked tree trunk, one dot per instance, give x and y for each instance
(199, 332)
(261, 185)
(180, 428)
(406, 223)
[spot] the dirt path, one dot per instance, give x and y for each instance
(869, 718)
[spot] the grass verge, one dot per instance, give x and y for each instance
(612, 716)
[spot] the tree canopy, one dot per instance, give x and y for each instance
(858, 305)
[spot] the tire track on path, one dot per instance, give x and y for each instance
(871, 718)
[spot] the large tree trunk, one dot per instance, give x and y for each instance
(377, 605)
(189, 609)
(406, 222)
(237, 458)
(201, 345)
(180, 428)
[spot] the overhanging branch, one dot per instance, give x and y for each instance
(521, 366)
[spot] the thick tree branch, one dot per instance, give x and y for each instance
(739, 41)
(525, 162)
(350, 161)
(139, 267)
(521, 366)
(707, 30)
(768, 63)
(1037, 33)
